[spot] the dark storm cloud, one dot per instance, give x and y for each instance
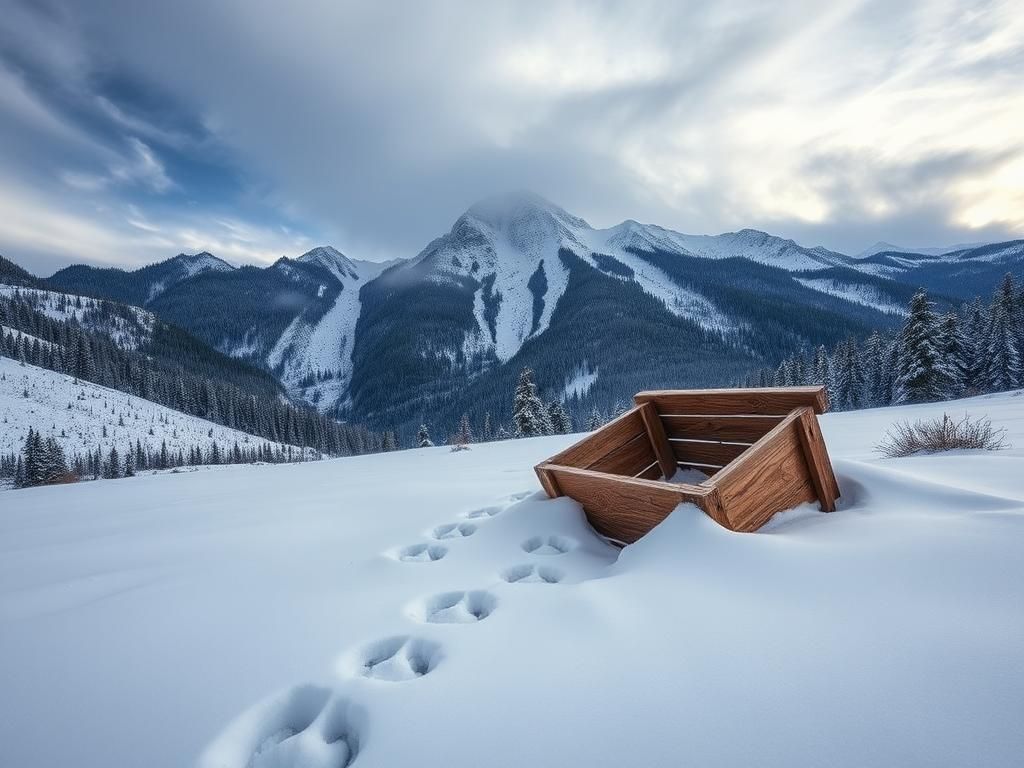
(252, 128)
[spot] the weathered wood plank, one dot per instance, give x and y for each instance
(818, 464)
(776, 401)
(623, 508)
(744, 429)
(601, 442)
(658, 439)
(627, 459)
(697, 452)
(770, 477)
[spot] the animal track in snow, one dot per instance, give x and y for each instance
(305, 726)
(399, 658)
(531, 574)
(453, 531)
(548, 545)
(520, 496)
(422, 553)
(483, 514)
(456, 607)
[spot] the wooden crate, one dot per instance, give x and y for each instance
(761, 449)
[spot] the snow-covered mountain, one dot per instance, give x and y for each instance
(139, 286)
(516, 281)
(883, 247)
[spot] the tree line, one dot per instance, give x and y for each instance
(973, 350)
(226, 392)
(42, 460)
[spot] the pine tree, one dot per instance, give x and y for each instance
(528, 413)
(1003, 368)
(423, 437)
(558, 418)
(112, 468)
(918, 378)
(488, 433)
(595, 421)
(951, 355)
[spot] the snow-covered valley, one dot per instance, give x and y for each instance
(433, 608)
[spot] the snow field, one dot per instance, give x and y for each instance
(433, 608)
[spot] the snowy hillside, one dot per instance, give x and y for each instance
(431, 608)
(128, 327)
(83, 416)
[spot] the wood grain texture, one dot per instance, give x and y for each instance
(697, 452)
(603, 441)
(623, 508)
(816, 456)
(628, 458)
(770, 477)
(777, 401)
(744, 429)
(547, 481)
(658, 438)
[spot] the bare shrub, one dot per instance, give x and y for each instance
(945, 434)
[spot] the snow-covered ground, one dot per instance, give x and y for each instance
(76, 414)
(432, 608)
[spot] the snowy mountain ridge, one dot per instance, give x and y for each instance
(488, 293)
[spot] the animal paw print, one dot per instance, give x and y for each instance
(306, 726)
(399, 658)
(453, 531)
(532, 574)
(484, 514)
(422, 553)
(548, 545)
(456, 607)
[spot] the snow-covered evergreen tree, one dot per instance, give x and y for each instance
(528, 412)
(595, 421)
(1002, 356)
(558, 419)
(918, 378)
(423, 437)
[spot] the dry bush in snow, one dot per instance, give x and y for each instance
(945, 434)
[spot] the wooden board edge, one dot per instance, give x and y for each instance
(816, 397)
(593, 436)
(658, 438)
(818, 464)
(547, 480)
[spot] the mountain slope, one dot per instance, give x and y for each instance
(83, 416)
(140, 286)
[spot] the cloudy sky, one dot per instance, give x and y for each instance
(254, 129)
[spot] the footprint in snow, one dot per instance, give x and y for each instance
(399, 658)
(548, 545)
(531, 574)
(456, 607)
(306, 726)
(422, 553)
(485, 513)
(454, 531)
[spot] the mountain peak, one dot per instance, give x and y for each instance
(204, 261)
(331, 259)
(509, 208)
